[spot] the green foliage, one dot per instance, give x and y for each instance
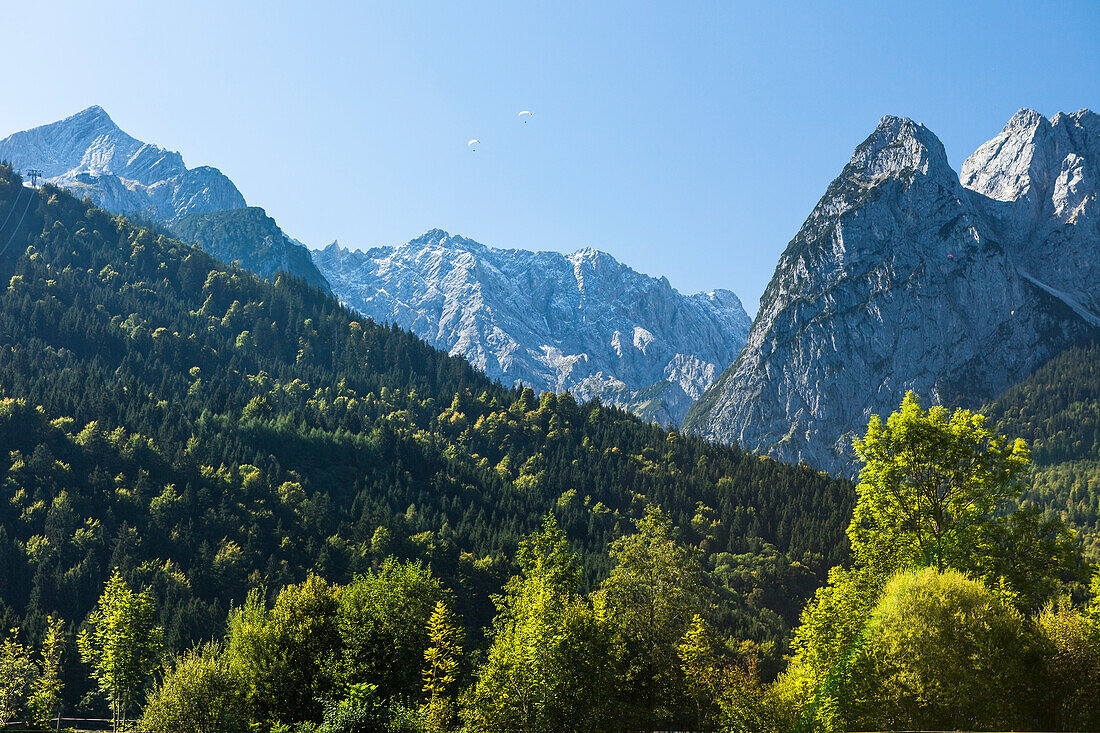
(944, 652)
(384, 621)
(699, 663)
(47, 685)
(287, 656)
(1057, 410)
(652, 596)
(933, 492)
(441, 660)
(551, 662)
(1034, 557)
(200, 692)
(929, 486)
(1072, 689)
(122, 644)
(360, 712)
(250, 236)
(16, 675)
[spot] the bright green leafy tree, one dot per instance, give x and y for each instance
(122, 644)
(550, 666)
(652, 595)
(932, 493)
(200, 692)
(287, 656)
(700, 663)
(16, 673)
(440, 666)
(945, 652)
(929, 486)
(47, 686)
(384, 622)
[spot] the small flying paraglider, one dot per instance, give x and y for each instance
(473, 142)
(525, 114)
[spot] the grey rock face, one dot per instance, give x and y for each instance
(1038, 182)
(90, 155)
(583, 322)
(902, 278)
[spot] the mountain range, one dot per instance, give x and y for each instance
(583, 323)
(88, 154)
(907, 277)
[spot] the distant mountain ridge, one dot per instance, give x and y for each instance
(904, 277)
(249, 236)
(88, 154)
(583, 322)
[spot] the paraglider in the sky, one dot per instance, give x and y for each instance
(525, 114)
(473, 142)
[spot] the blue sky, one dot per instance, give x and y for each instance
(687, 139)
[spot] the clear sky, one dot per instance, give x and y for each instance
(688, 139)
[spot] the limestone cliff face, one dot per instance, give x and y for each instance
(901, 278)
(1037, 182)
(582, 322)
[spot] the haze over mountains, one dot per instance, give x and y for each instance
(583, 323)
(904, 277)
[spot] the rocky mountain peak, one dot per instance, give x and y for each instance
(436, 237)
(902, 279)
(91, 116)
(1037, 183)
(90, 155)
(582, 322)
(1025, 119)
(441, 239)
(898, 145)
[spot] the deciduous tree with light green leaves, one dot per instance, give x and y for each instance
(699, 661)
(652, 595)
(287, 655)
(122, 644)
(441, 666)
(929, 487)
(933, 493)
(200, 692)
(384, 620)
(47, 685)
(550, 667)
(16, 673)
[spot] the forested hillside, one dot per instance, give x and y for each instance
(1057, 410)
(207, 432)
(252, 237)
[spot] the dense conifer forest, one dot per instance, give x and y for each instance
(1057, 410)
(207, 432)
(230, 504)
